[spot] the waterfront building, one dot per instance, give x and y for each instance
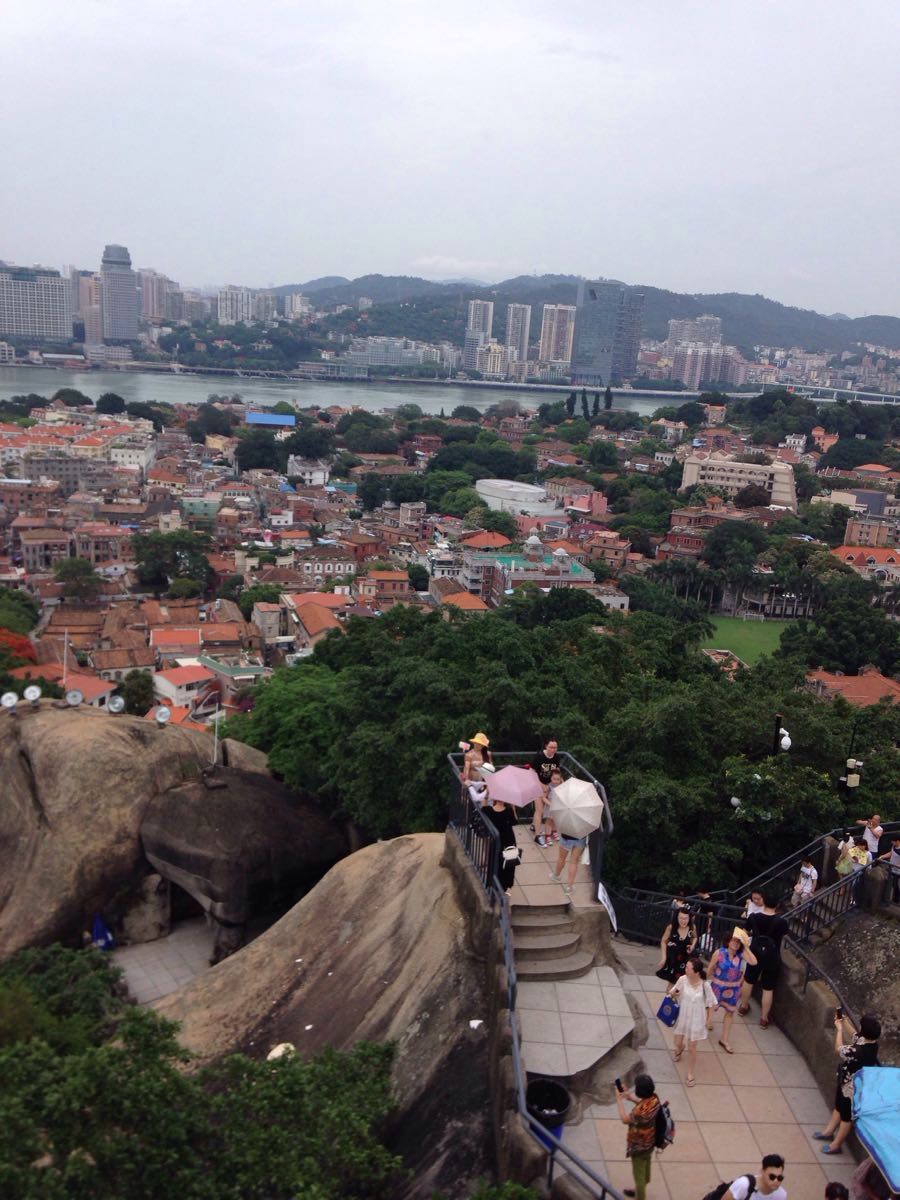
(479, 325)
(607, 333)
(557, 333)
(234, 306)
(120, 295)
(153, 294)
(492, 360)
(518, 329)
(35, 302)
(264, 306)
(7, 354)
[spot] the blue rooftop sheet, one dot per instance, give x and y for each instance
(281, 419)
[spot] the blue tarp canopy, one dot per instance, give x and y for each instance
(876, 1111)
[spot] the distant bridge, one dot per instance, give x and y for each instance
(816, 392)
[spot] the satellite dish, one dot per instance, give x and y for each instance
(9, 699)
(116, 704)
(163, 715)
(32, 693)
(74, 698)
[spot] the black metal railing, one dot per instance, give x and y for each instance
(481, 843)
(570, 767)
(781, 876)
(812, 970)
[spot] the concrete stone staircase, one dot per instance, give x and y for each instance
(575, 1019)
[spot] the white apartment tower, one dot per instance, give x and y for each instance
(478, 331)
(557, 333)
(35, 302)
(235, 306)
(518, 329)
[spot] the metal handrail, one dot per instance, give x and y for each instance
(812, 970)
(792, 861)
(465, 817)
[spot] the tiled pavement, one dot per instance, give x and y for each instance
(533, 883)
(153, 969)
(760, 1100)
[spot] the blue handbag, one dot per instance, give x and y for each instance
(668, 1011)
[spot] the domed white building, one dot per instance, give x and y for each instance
(506, 495)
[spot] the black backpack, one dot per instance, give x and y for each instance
(718, 1192)
(664, 1132)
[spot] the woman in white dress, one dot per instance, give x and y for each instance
(697, 1003)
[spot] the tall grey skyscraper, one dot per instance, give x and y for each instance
(518, 328)
(607, 333)
(479, 325)
(120, 295)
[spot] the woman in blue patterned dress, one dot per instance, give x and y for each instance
(726, 974)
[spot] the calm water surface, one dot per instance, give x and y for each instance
(195, 389)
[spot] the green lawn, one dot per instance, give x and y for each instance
(749, 640)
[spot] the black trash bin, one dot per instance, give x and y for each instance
(549, 1103)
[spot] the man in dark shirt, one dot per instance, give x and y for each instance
(545, 763)
(767, 929)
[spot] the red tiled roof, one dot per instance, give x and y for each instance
(181, 676)
(174, 637)
(485, 541)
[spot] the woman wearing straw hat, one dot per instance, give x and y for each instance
(478, 755)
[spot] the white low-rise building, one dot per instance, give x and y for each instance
(506, 495)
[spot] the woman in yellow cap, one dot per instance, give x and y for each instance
(478, 755)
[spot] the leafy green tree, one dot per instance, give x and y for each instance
(265, 593)
(257, 449)
(79, 579)
(457, 503)
(137, 692)
(608, 398)
(111, 403)
(693, 414)
(595, 408)
(210, 420)
(418, 577)
(404, 489)
(570, 404)
(181, 554)
(185, 589)
(409, 412)
(71, 397)
(603, 455)
(734, 542)
(312, 441)
(752, 496)
(466, 412)
(372, 492)
(846, 634)
(230, 587)
(19, 611)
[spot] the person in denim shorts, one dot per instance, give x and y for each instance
(569, 847)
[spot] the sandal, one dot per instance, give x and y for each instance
(743, 1010)
(725, 1047)
(763, 1023)
(676, 1055)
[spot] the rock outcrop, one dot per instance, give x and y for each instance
(377, 951)
(76, 788)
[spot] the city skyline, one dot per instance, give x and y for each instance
(266, 152)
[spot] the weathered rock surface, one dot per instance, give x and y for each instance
(76, 787)
(376, 951)
(237, 846)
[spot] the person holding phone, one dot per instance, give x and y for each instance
(862, 1052)
(640, 1140)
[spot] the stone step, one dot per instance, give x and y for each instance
(571, 967)
(547, 910)
(537, 922)
(547, 945)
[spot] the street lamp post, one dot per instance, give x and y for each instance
(781, 739)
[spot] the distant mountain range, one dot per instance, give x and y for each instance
(746, 320)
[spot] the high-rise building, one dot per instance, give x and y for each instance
(235, 306)
(296, 305)
(481, 317)
(493, 360)
(518, 329)
(264, 306)
(607, 333)
(153, 294)
(557, 332)
(120, 295)
(35, 302)
(707, 329)
(478, 331)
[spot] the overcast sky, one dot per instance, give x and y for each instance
(699, 145)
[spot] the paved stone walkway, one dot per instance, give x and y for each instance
(760, 1100)
(533, 883)
(153, 969)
